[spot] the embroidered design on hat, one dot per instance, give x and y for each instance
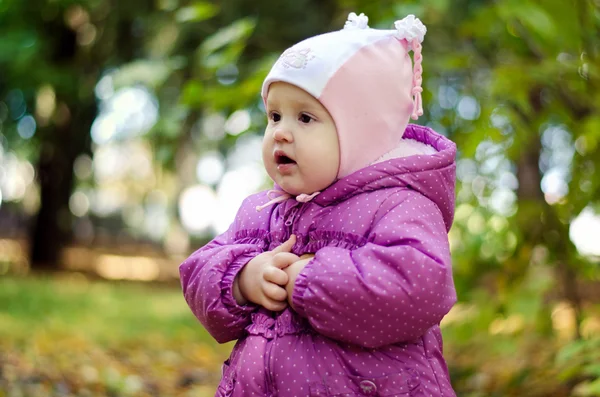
(296, 58)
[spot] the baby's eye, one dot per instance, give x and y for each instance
(305, 118)
(274, 116)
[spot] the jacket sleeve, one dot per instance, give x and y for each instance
(207, 280)
(392, 289)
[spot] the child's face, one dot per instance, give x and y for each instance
(300, 147)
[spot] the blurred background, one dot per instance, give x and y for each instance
(130, 133)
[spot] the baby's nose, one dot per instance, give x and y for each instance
(283, 133)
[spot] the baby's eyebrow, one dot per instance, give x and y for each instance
(298, 104)
(307, 105)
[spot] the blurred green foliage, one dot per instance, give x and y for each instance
(514, 82)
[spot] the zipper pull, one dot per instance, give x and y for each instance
(290, 219)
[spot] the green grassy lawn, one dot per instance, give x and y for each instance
(67, 336)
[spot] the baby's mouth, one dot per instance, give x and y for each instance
(282, 158)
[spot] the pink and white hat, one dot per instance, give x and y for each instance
(365, 79)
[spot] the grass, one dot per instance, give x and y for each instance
(101, 310)
(64, 335)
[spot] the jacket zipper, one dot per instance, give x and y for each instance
(289, 222)
(269, 369)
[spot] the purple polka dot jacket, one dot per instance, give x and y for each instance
(368, 305)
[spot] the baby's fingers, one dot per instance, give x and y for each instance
(275, 275)
(284, 259)
(286, 246)
(274, 291)
(275, 306)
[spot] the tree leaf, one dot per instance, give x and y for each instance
(151, 73)
(192, 94)
(237, 32)
(200, 11)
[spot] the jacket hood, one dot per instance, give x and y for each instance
(434, 175)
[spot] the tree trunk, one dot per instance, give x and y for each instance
(69, 137)
(52, 227)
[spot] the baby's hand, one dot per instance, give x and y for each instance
(292, 272)
(261, 281)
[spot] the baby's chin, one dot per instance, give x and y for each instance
(291, 190)
(296, 191)
(295, 186)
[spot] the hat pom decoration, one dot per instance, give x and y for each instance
(409, 29)
(357, 21)
(413, 31)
